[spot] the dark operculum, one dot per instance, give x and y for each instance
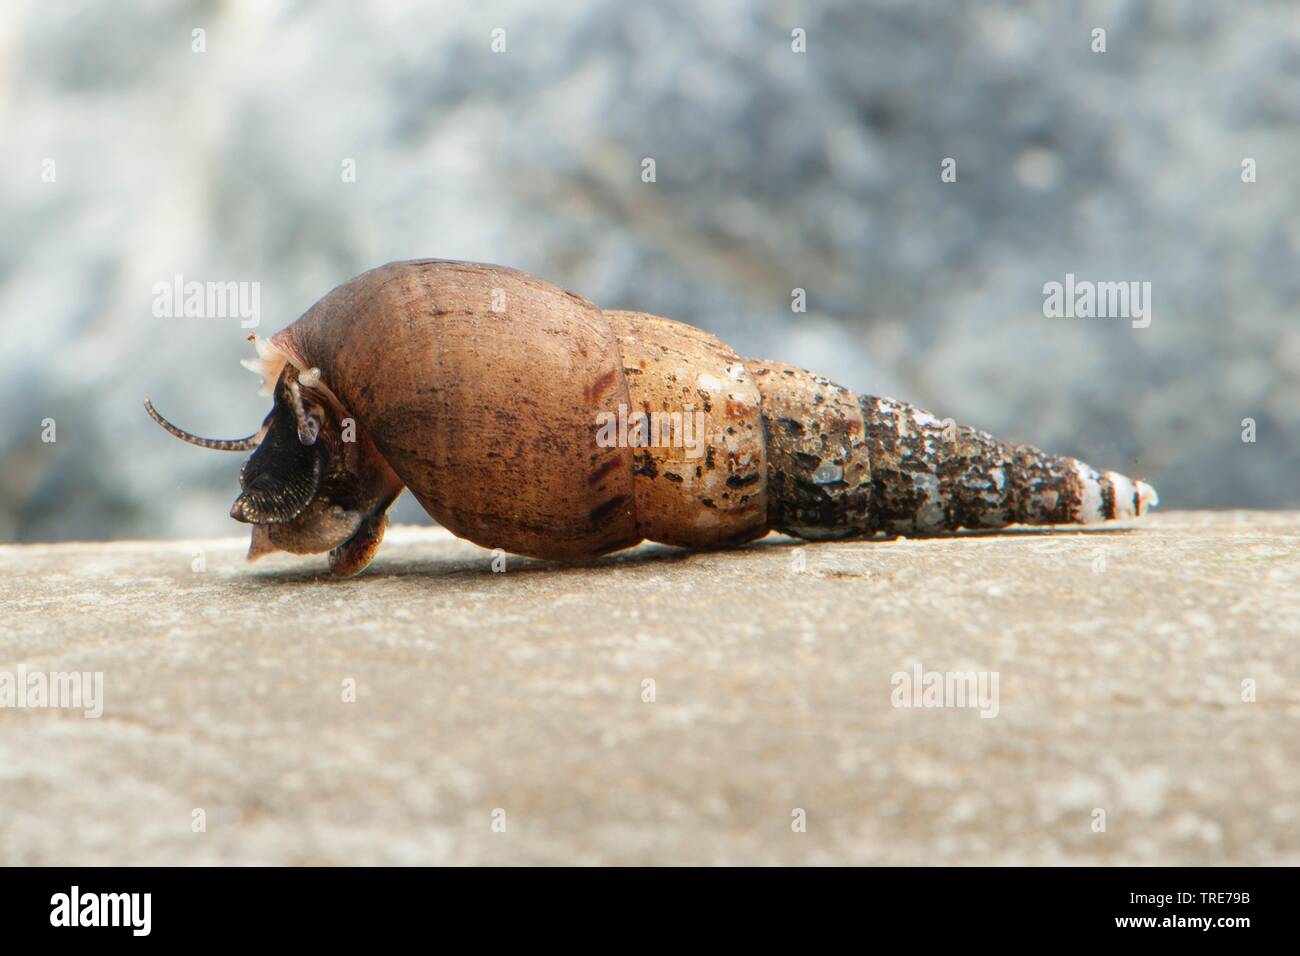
(280, 479)
(299, 492)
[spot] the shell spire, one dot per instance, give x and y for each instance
(931, 475)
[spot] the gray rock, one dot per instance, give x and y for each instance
(1120, 656)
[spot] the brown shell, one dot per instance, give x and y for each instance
(490, 393)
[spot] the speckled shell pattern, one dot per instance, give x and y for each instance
(485, 389)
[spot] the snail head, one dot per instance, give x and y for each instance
(309, 485)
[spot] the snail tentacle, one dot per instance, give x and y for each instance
(217, 444)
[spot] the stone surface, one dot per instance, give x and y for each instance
(1120, 653)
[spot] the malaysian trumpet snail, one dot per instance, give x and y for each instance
(523, 417)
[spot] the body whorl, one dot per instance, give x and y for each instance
(480, 386)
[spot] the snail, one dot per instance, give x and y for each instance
(523, 417)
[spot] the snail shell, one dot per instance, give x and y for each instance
(495, 397)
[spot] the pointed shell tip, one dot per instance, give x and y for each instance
(1147, 497)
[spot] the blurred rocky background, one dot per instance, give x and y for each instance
(775, 170)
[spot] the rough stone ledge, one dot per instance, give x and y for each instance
(1120, 653)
